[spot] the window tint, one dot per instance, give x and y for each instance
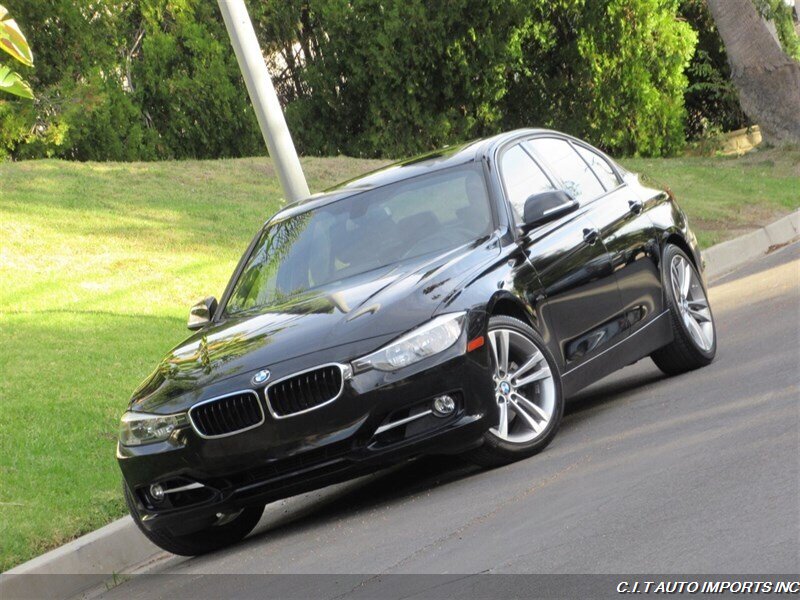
(600, 167)
(522, 178)
(570, 168)
(456, 198)
(372, 231)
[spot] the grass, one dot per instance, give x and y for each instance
(99, 263)
(727, 196)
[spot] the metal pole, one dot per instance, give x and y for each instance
(265, 101)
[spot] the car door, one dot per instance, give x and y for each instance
(620, 218)
(582, 303)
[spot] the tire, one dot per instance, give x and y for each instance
(520, 439)
(204, 541)
(694, 343)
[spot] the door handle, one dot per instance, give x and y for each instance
(590, 236)
(635, 206)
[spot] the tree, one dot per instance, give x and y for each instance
(712, 102)
(394, 78)
(390, 78)
(129, 80)
(15, 44)
(611, 72)
(767, 79)
(155, 79)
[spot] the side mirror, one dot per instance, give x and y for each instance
(547, 206)
(202, 313)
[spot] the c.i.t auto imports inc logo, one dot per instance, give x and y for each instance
(710, 586)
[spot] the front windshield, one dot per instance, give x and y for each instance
(367, 231)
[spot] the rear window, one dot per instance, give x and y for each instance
(601, 168)
(576, 176)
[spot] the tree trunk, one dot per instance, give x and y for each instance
(768, 81)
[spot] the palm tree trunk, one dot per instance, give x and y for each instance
(768, 81)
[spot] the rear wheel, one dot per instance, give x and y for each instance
(527, 391)
(224, 530)
(694, 343)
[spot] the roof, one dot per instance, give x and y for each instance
(449, 156)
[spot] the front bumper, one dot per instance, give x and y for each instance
(338, 441)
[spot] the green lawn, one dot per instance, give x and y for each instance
(727, 196)
(98, 266)
(99, 263)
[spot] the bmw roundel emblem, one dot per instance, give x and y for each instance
(261, 376)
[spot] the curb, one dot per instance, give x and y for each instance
(93, 558)
(90, 560)
(728, 255)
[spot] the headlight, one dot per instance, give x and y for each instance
(432, 338)
(136, 429)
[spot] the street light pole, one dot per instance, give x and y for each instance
(265, 100)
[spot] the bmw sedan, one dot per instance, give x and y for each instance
(445, 304)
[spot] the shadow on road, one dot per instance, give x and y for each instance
(386, 486)
(610, 390)
(402, 481)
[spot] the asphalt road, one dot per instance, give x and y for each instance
(692, 474)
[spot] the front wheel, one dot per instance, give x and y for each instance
(694, 343)
(527, 391)
(222, 531)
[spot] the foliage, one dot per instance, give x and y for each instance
(400, 77)
(122, 80)
(77, 45)
(780, 14)
(13, 42)
(394, 78)
(188, 84)
(712, 102)
(149, 79)
(611, 72)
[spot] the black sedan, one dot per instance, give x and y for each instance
(445, 304)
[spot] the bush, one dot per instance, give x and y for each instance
(188, 86)
(396, 78)
(120, 80)
(611, 72)
(378, 78)
(712, 102)
(150, 79)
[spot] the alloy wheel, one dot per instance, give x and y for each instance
(692, 303)
(524, 386)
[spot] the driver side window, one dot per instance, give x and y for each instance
(522, 178)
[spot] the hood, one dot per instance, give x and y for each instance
(366, 307)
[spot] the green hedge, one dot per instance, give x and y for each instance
(156, 79)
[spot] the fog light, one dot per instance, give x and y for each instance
(157, 492)
(443, 405)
